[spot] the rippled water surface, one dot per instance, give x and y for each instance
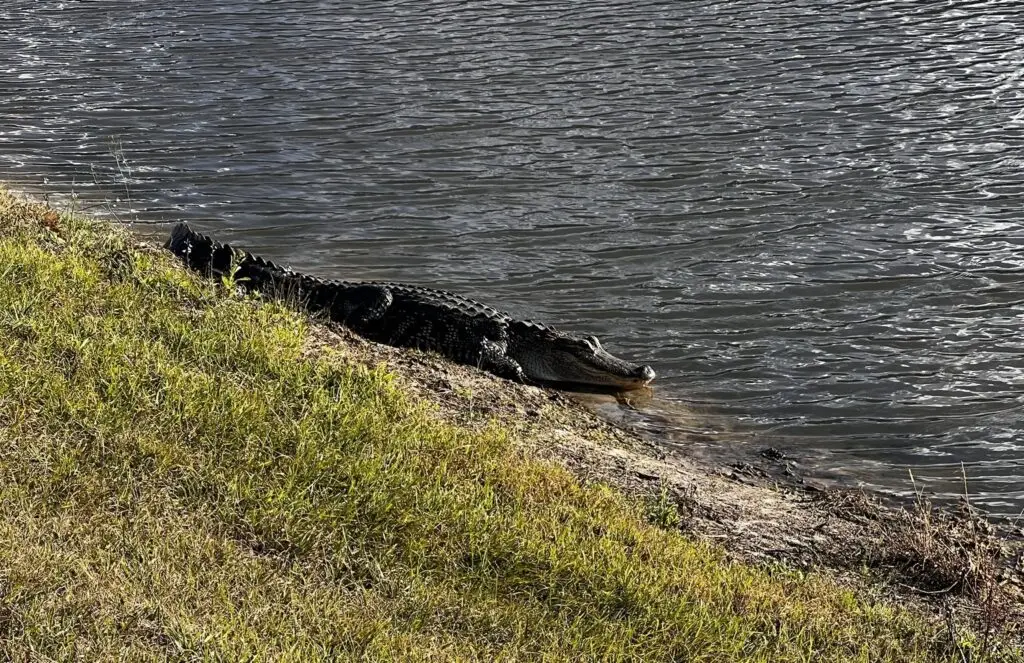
(806, 215)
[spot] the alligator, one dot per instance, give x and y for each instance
(401, 315)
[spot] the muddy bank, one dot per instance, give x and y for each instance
(952, 563)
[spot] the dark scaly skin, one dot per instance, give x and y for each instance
(401, 315)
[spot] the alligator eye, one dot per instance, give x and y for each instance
(594, 342)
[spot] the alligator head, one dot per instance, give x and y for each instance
(547, 355)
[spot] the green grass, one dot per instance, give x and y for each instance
(178, 480)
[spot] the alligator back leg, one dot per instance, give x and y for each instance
(409, 331)
(362, 305)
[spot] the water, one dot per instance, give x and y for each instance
(805, 214)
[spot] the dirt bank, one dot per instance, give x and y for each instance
(951, 563)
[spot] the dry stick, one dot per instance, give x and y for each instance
(963, 473)
(990, 584)
(951, 633)
(924, 509)
(123, 169)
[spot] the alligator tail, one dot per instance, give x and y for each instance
(212, 258)
(200, 252)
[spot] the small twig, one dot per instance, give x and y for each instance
(951, 629)
(963, 473)
(123, 169)
(1017, 519)
(926, 592)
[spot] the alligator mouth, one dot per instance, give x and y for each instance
(599, 371)
(621, 387)
(638, 378)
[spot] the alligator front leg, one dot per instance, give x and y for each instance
(494, 360)
(359, 305)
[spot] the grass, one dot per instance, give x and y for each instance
(180, 481)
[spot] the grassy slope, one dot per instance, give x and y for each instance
(178, 480)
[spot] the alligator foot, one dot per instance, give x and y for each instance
(494, 359)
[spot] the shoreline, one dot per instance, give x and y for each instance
(764, 465)
(938, 558)
(935, 558)
(953, 569)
